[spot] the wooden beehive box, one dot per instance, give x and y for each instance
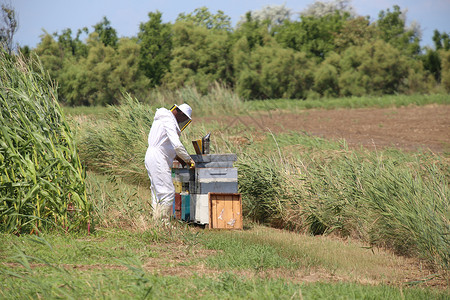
(225, 211)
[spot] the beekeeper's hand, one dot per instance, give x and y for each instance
(191, 164)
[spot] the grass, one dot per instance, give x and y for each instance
(357, 203)
(153, 264)
(386, 198)
(349, 102)
(222, 101)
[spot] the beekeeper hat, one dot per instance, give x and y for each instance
(186, 109)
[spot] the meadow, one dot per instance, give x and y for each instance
(322, 220)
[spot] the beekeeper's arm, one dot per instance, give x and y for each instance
(177, 145)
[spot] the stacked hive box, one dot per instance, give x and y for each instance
(181, 205)
(213, 173)
(212, 184)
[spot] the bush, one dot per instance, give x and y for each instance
(445, 67)
(274, 72)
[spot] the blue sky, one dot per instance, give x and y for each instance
(55, 15)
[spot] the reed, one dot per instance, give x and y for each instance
(42, 181)
(389, 198)
(307, 184)
(116, 144)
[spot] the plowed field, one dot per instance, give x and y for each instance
(407, 128)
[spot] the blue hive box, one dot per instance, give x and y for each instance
(185, 207)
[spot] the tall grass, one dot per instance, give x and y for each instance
(388, 198)
(42, 181)
(303, 183)
(219, 100)
(116, 144)
(117, 204)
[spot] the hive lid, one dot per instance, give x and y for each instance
(206, 158)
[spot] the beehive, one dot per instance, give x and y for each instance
(225, 211)
(215, 175)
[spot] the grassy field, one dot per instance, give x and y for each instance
(222, 100)
(353, 223)
(179, 262)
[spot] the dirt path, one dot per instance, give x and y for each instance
(408, 128)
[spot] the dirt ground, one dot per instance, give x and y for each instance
(407, 128)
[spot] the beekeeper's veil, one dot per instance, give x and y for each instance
(187, 111)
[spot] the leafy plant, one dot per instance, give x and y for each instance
(42, 181)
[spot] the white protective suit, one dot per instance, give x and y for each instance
(163, 145)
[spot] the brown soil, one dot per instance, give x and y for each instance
(408, 128)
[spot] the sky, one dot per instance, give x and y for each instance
(35, 16)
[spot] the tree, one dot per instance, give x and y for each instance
(445, 67)
(8, 27)
(432, 58)
(155, 40)
(321, 9)
(253, 30)
(200, 57)
(392, 29)
(72, 46)
(355, 32)
(51, 55)
(127, 69)
(326, 76)
(441, 40)
(273, 72)
(106, 34)
(313, 35)
(271, 15)
(202, 17)
(375, 68)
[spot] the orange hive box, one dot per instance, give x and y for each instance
(225, 211)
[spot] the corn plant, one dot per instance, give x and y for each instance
(42, 182)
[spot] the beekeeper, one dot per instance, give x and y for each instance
(163, 146)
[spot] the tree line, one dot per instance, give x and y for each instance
(327, 51)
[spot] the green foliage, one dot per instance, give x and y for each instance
(71, 46)
(51, 56)
(253, 31)
(326, 76)
(101, 76)
(200, 57)
(355, 32)
(266, 55)
(391, 26)
(445, 67)
(42, 181)
(117, 145)
(106, 34)
(432, 62)
(273, 72)
(155, 42)
(374, 68)
(202, 17)
(312, 35)
(441, 40)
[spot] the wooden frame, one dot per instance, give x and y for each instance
(225, 210)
